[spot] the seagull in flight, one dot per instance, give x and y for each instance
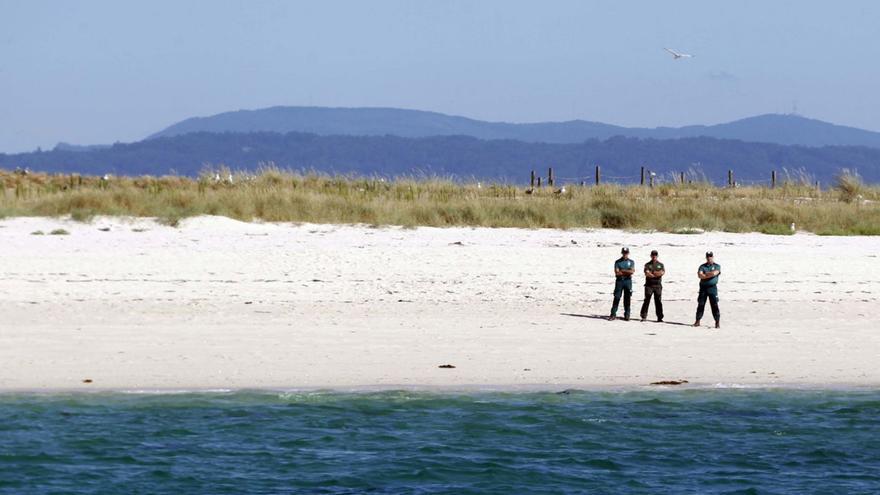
(677, 55)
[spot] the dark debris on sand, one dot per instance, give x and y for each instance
(670, 382)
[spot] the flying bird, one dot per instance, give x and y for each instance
(677, 55)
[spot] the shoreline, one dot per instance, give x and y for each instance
(441, 390)
(220, 304)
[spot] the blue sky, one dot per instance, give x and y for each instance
(103, 71)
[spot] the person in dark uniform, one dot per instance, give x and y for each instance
(623, 271)
(708, 273)
(654, 271)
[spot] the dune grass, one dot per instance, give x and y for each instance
(851, 208)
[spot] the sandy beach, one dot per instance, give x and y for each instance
(220, 304)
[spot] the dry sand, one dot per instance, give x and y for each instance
(223, 304)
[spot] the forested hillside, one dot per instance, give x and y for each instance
(458, 156)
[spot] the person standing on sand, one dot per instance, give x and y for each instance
(708, 274)
(623, 271)
(654, 271)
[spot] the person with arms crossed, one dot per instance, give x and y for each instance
(708, 274)
(654, 271)
(623, 271)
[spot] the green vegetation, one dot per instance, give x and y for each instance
(273, 195)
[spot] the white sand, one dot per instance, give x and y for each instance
(222, 304)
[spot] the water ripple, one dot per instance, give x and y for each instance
(690, 441)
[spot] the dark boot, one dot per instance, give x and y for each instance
(697, 323)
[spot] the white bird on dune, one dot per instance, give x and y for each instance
(677, 55)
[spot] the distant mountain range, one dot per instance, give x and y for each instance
(458, 156)
(391, 142)
(770, 128)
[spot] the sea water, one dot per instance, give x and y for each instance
(689, 441)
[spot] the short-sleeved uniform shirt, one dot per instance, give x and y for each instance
(710, 283)
(623, 264)
(653, 266)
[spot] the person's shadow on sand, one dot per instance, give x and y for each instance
(602, 317)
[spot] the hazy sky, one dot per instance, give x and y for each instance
(102, 71)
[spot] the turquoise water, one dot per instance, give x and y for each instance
(692, 441)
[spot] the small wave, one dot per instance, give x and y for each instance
(177, 391)
(604, 464)
(739, 386)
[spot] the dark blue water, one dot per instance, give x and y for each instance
(696, 441)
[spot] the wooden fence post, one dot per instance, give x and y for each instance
(773, 180)
(539, 182)
(682, 178)
(729, 178)
(532, 180)
(598, 175)
(550, 176)
(642, 181)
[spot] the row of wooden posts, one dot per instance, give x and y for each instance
(644, 175)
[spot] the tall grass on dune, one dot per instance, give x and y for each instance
(851, 207)
(850, 185)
